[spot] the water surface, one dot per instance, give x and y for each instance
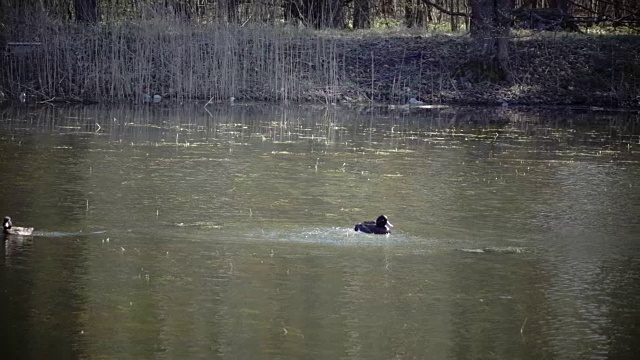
(227, 232)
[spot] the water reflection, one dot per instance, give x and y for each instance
(227, 232)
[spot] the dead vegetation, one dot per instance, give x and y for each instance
(181, 62)
(544, 69)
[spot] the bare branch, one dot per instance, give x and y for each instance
(443, 10)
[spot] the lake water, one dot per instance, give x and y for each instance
(227, 232)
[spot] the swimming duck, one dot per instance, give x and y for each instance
(380, 226)
(9, 229)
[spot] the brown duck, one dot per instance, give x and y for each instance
(9, 229)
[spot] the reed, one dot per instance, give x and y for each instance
(134, 59)
(178, 60)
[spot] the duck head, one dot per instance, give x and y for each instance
(382, 221)
(6, 223)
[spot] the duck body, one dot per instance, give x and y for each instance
(9, 229)
(380, 226)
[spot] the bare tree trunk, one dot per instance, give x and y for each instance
(362, 14)
(86, 10)
(409, 16)
(232, 11)
(503, 20)
(562, 5)
(490, 28)
(318, 14)
(453, 19)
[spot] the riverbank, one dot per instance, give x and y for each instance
(131, 62)
(545, 69)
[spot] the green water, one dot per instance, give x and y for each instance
(180, 233)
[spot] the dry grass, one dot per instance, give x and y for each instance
(177, 60)
(186, 61)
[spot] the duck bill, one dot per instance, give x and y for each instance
(389, 224)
